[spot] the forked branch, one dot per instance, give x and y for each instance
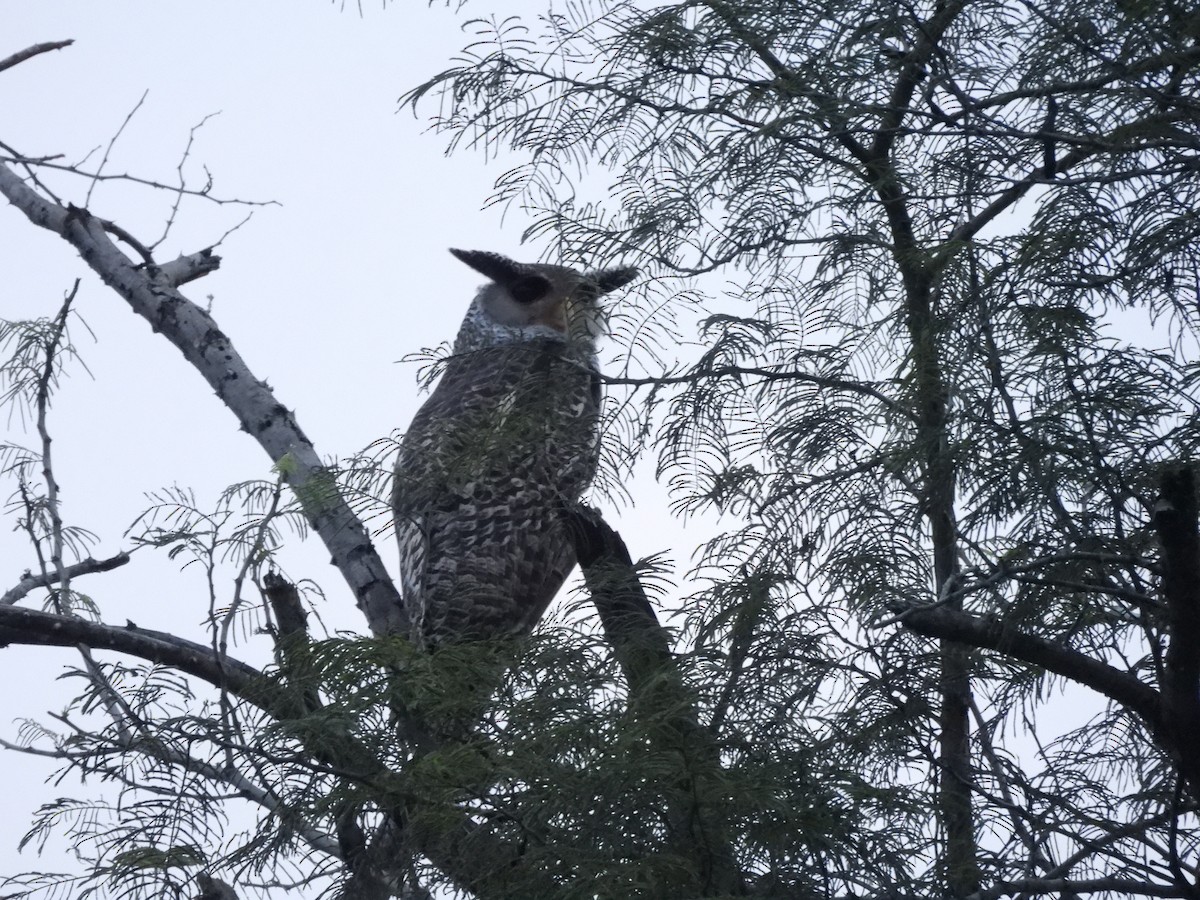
(151, 292)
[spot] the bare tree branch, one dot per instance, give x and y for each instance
(190, 267)
(192, 330)
(29, 52)
(993, 634)
(35, 628)
(41, 405)
(87, 566)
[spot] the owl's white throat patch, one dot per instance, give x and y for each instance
(481, 328)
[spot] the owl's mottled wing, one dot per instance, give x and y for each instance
(486, 564)
(507, 436)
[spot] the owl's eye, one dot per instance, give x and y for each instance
(528, 288)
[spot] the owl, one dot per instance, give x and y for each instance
(508, 436)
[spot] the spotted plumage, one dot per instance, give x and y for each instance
(508, 435)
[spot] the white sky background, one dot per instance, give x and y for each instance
(321, 295)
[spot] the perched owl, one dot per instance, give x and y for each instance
(506, 438)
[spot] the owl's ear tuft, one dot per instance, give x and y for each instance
(529, 288)
(611, 279)
(500, 269)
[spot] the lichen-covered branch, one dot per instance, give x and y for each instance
(151, 293)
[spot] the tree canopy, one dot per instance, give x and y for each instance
(962, 237)
(942, 260)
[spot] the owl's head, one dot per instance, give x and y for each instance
(524, 300)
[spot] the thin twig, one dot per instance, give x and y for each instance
(43, 162)
(179, 194)
(27, 163)
(767, 374)
(117, 231)
(115, 705)
(1034, 845)
(232, 229)
(221, 638)
(28, 526)
(42, 403)
(87, 200)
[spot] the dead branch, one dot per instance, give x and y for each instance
(187, 268)
(32, 627)
(194, 332)
(29, 52)
(87, 199)
(30, 582)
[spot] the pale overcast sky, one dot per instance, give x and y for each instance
(322, 295)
